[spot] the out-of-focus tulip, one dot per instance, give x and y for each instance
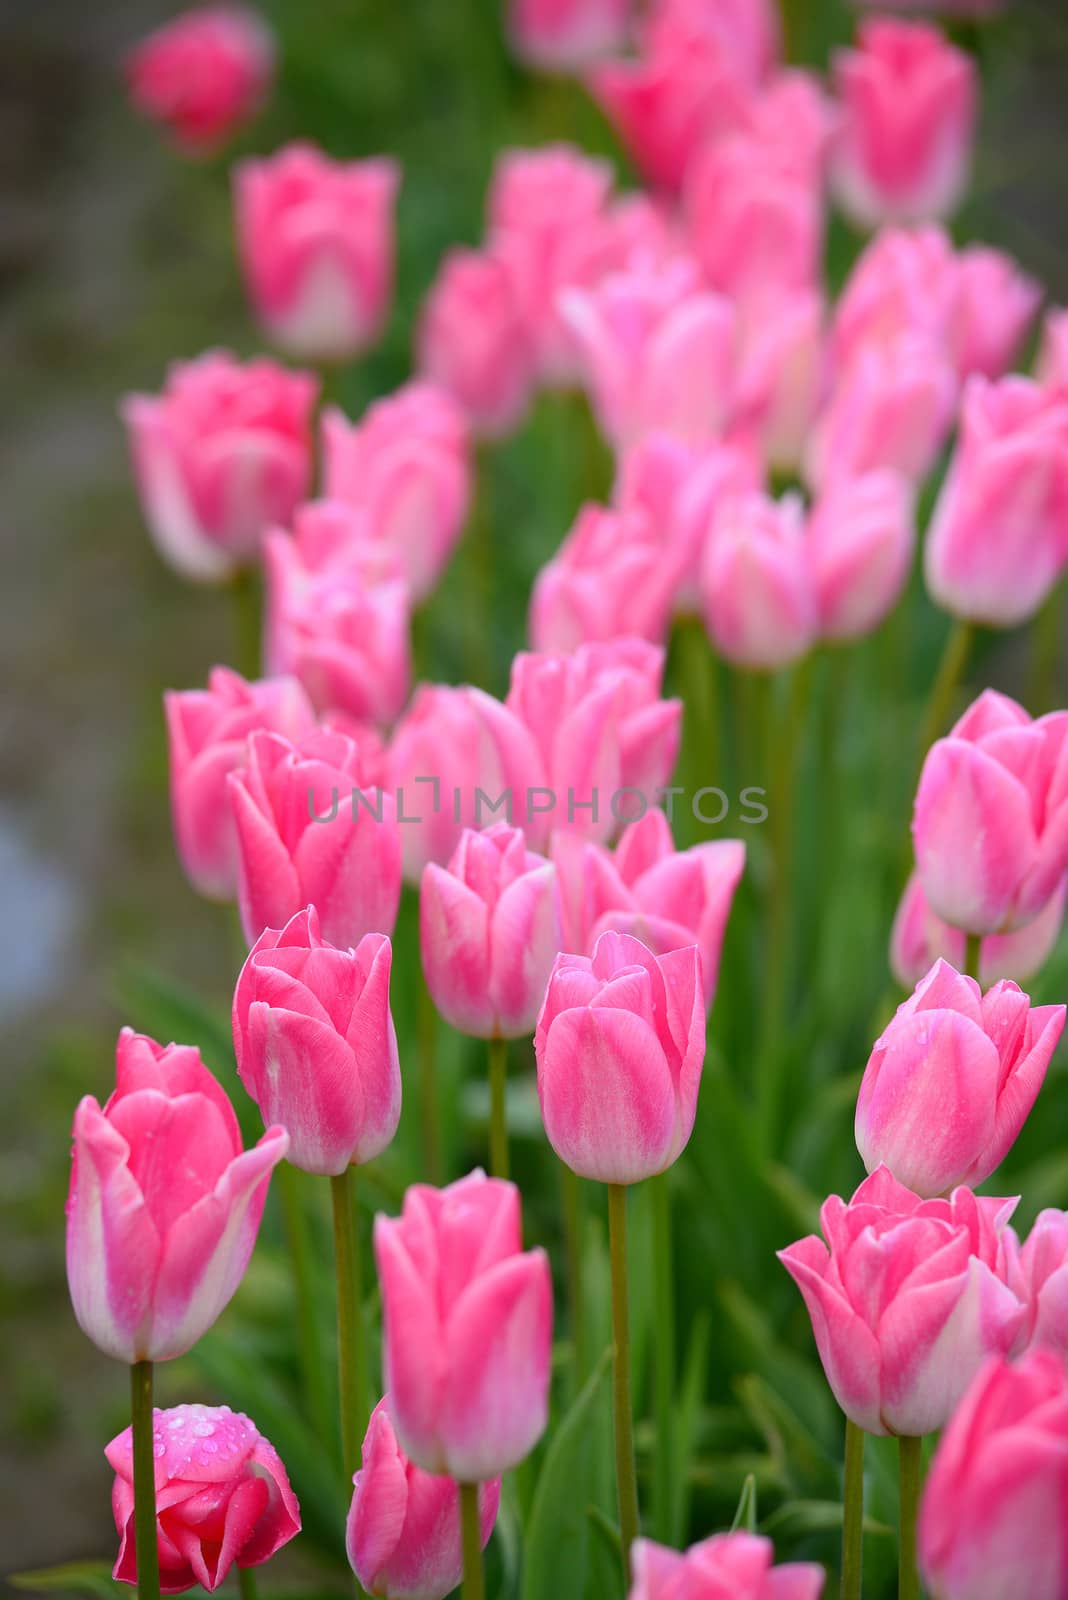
(472, 339)
(207, 730)
(756, 585)
(467, 1328)
(203, 75)
(407, 464)
(861, 536)
(602, 732)
(994, 305)
(309, 832)
(657, 352)
(489, 929)
(905, 281)
(315, 238)
(735, 1565)
(611, 578)
(952, 1079)
(567, 35)
(919, 938)
(620, 1044)
(905, 1301)
(999, 533)
(459, 759)
(1038, 1272)
(991, 1522)
(909, 102)
(747, 30)
(403, 1530)
(781, 375)
(990, 825)
(222, 1497)
(164, 1203)
(315, 1044)
(667, 898)
(222, 454)
(1052, 365)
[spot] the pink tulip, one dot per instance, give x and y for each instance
(757, 588)
(791, 115)
(1037, 1271)
(991, 1519)
(407, 464)
(459, 759)
(223, 453)
(620, 1043)
(909, 104)
(906, 282)
(999, 533)
(203, 75)
(919, 938)
(222, 1497)
(164, 1203)
(207, 730)
(567, 35)
(315, 238)
(467, 1328)
(315, 1044)
(489, 929)
(861, 537)
(403, 1529)
(309, 832)
(729, 1566)
(1051, 367)
(994, 306)
(669, 899)
(603, 735)
(990, 825)
(611, 578)
(657, 352)
(952, 1079)
(905, 1301)
(472, 340)
(781, 376)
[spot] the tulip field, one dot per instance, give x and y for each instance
(589, 1106)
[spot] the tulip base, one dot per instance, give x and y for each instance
(973, 953)
(910, 1473)
(626, 1474)
(474, 1587)
(853, 1513)
(351, 1356)
(146, 1543)
(247, 1586)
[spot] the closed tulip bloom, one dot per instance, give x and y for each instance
(489, 929)
(861, 537)
(315, 238)
(567, 35)
(600, 727)
(747, 30)
(309, 832)
(471, 340)
(782, 369)
(906, 281)
(407, 464)
(222, 1497)
(467, 1328)
(611, 578)
(994, 305)
(315, 1044)
(905, 1300)
(620, 1044)
(990, 824)
(203, 75)
(667, 898)
(952, 1079)
(759, 604)
(1038, 1272)
(207, 731)
(403, 1530)
(909, 104)
(999, 533)
(919, 938)
(729, 1566)
(222, 454)
(164, 1203)
(991, 1519)
(657, 352)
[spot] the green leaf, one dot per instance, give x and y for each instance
(558, 1534)
(72, 1577)
(691, 1396)
(746, 1514)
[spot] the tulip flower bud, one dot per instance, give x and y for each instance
(403, 1530)
(610, 579)
(221, 455)
(919, 938)
(781, 377)
(905, 1300)
(759, 604)
(315, 1043)
(164, 1203)
(620, 1044)
(861, 536)
(990, 1520)
(1037, 1271)
(566, 35)
(203, 75)
(222, 1497)
(489, 929)
(467, 1328)
(315, 238)
(994, 304)
(990, 824)
(472, 341)
(739, 1565)
(906, 281)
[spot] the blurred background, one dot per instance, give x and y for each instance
(115, 258)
